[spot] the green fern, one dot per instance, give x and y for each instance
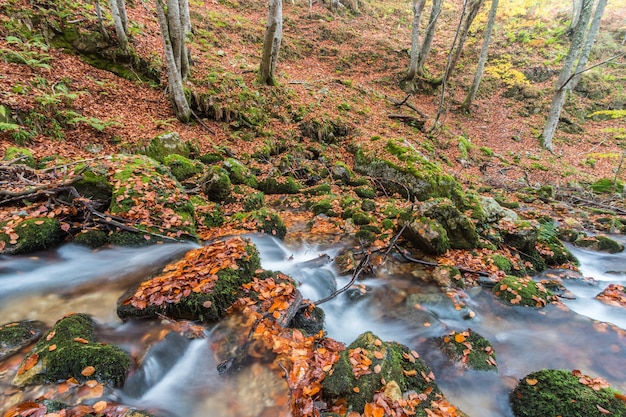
(547, 232)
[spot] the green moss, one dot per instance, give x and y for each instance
(279, 185)
(67, 349)
(360, 218)
(607, 185)
(34, 234)
(211, 158)
(24, 155)
(95, 186)
(15, 336)
(469, 348)
(167, 144)
(318, 190)
(523, 291)
(551, 392)
(365, 192)
(428, 236)
(239, 173)
(501, 262)
(459, 228)
(397, 363)
(270, 222)
(368, 205)
(324, 206)
(92, 239)
(182, 168)
(599, 242)
(255, 201)
(216, 184)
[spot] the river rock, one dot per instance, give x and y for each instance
(15, 336)
(469, 349)
(29, 235)
(201, 286)
(521, 234)
(523, 291)
(551, 392)
(362, 366)
(599, 243)
(494, 211)
(460, 229)
(428, 236)
(70, 350)
(614, 295)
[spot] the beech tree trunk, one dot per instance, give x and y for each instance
(101, 27)
(174, 73)
(471, 15)
(560, 93)
(418, 7)
(271, 42)
(118, 11)
(480, 68)
(435, 11)
(591, 37)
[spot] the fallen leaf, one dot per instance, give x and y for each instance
(81, 340)
(99, 406)
(531, 381)
(88, 371)
(52, 348)
(459, 338)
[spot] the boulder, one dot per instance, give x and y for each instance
(15, 336)
(523, 291)
(494, 212)
(428, 236)
(470, 350)
(459, 228)
(29, 235)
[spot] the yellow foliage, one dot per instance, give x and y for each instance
(503, 69)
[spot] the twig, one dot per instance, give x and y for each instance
(359, 269)
(204, 125)
(435, 264)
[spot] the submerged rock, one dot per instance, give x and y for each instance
(70, 350)
(551, 392)
(15, 336)
(201, 286)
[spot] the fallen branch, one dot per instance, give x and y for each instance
(403, 253)
(358, 270)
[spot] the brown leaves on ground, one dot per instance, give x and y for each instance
(614, 295)
(195, 273)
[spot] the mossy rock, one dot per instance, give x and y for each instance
(365, 191)
(310, 321)
(469, 349)
(182, 168)
(416, 177)
(163, 205)
(34, 234)
(570, 235)
(24, 155)
(368, 205)
(15, 336)
(255, 201)
(599, 243)
(341, 171)
(66, 350)
(201, 296)
(428, 236)
(269, 222)
(501, 262)
(523, 291)
(279, 185)
(521, 234)
(361, 218)
(551, 392)
(558, 254)
(494, 211)
(325, 130)
(324, 206)
(216, 184)
(321, 189)
(95, 186)
(387, 361)
(92, 238)
(459, 228)
(239, 173)
(606, 186)
(166, 144)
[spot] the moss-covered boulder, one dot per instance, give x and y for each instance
(22, 156)
(279, 185)
(428, 236)
(166, 144)
(470, 350)
(551, 392)
(366, 362)
(521, 234)
(262, 220)
(415, 175)
(182, 168)
(70, 350)
(239, 173)
(459, 228)
(523, 291)
(254, 201)
(95, 186)
(216, 184)
(145, 192)
(42, 406)
(16, 335)
(494, 212)
(29, 235)
(599, 243)
(201, 286)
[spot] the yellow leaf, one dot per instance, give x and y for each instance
(459, 338)
(531, 381)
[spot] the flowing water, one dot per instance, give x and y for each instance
(178, 377)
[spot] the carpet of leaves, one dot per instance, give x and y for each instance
(614, 295)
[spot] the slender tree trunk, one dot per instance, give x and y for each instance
(435, 11)
(577, 6)
(271, 42)
(471, 15)
(561, 90)
(174, 77)
(185, 18)
(101, 27)
(418, 6)
(480, 68)
(121, 6)
(119, 26)
(591, 38)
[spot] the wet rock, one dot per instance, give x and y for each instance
(459, 228)
(70, 350)
(470, 350)
(30, 235)
(201, 286)
(428, 236)
(551, 392)
(599, 243)
(614, 295)
(310, 321)
(523, 291)
(15, 336)
(362, 366)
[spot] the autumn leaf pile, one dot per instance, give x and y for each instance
(614, 295)
(195, 273)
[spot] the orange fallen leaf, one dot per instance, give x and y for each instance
(459, 338)
(99, 406)
(88, 371)
(29, 362)
(531, 381)
(52, 348)
(81, 340)
(356, 389)
(50, 335)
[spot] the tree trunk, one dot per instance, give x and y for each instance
(435, 11)
(185, 18)
(418, 6)
(121, 6)
(101, 27)
(471, 15)
(577, 6)
(271, 42)
(578, 40)
(471, 94)
(174, 76)
(591, 38)
(119, 26)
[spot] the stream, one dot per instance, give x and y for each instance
(178, 377)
